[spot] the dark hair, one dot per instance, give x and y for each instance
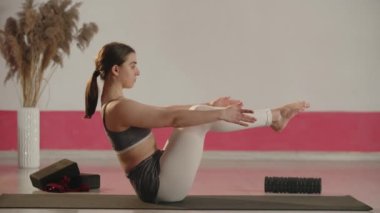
(111, 54)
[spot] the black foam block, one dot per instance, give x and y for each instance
(54, 173)
(90, 180)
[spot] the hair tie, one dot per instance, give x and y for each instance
(96, 73)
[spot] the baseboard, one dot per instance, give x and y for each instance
(215, 155)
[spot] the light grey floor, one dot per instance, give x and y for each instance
(359, 178)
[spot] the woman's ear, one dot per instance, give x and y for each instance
(115, 70)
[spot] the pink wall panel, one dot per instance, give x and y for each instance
(310, 131)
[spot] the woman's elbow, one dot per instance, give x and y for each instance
(172, 118)
(176, 123)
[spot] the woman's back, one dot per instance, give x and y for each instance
(132, 144)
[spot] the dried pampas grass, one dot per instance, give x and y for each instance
(40, 37)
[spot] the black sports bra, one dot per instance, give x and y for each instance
(124, 140)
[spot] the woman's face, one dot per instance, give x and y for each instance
(129, 71)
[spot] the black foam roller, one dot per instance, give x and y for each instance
(293, 185)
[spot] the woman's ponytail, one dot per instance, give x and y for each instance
(111, 54)
(92, 92)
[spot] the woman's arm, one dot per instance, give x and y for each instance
(219, 102)
(132, 113)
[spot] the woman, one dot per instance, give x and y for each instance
(164, 175)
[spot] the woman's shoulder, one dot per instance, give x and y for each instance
(119, 108)
(127, 104)
(129, 107)
(117, 102)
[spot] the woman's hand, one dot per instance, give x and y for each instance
(225, 102)
(236, 114)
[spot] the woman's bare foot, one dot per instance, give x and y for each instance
(281, 116)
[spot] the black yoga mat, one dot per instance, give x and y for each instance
(102, 201)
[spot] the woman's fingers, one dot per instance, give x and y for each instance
(246, 111)
(236, 114)
(244, 119)
(241, 123)
(225, 101)
(247, 118)
(235, 102)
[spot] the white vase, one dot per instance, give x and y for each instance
(28, 127)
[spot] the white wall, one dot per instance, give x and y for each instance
(266, 52)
